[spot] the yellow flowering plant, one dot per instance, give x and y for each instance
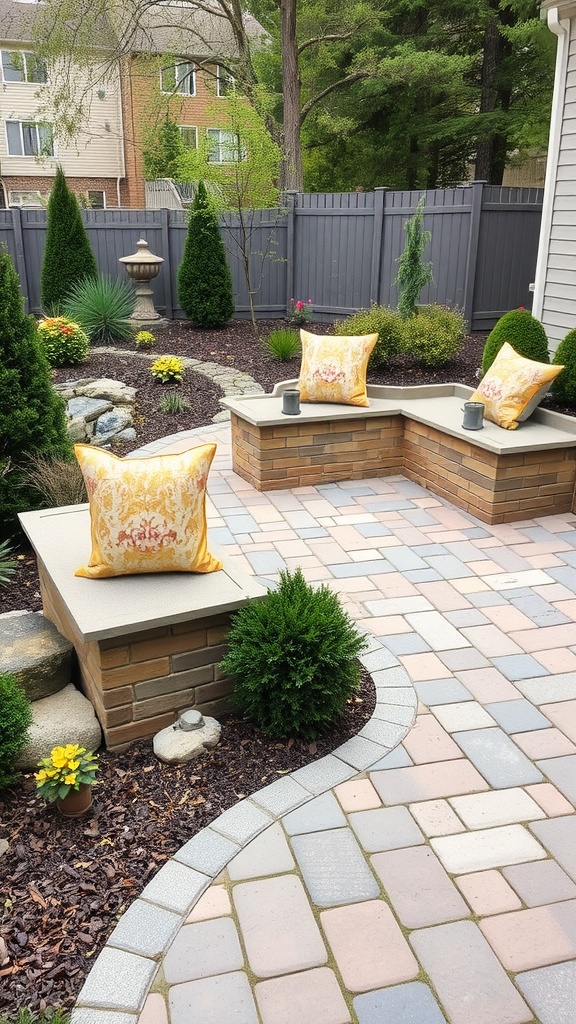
(66, 768)
(168, 370)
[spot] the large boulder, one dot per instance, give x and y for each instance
(32, 649)
(65, 717)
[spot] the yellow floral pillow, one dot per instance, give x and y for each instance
(512, 387)
(334, 369)
(147, 515)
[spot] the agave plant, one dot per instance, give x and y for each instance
(102, 307)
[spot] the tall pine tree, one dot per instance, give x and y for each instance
(68, 257)
(204, 278)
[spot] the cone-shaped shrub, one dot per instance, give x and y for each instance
(32, 418)
(204, 279)
(68, 257)
(15, 721)
(564, 387)
(294, 655)
(521, 330)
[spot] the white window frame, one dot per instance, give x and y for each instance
(184, 76)
(15, 198)
(37, 126)
(25, 80)
(227, 149)
(188, 128)
(223, 76)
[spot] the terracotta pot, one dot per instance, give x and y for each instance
(77, 802)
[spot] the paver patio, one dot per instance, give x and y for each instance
(433, 884)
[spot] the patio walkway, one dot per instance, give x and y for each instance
(435, 883)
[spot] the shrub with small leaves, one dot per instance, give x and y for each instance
(144, 339)
(15, 721)
(64, 341)
(294, 657)
(283, 344)
(173, 403)
(434, 335)
(168, 370)
(523, 332)
(380, 320)
(564, 387)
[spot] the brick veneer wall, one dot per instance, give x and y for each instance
(36, 183)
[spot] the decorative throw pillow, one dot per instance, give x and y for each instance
(147, 515)
(334, 368)
(513, 387)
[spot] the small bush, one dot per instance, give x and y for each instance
(300, 312)
(65, 343)
(173, 403)
(204, 280)
(15, 721)
(283, 344)
(144, 339)
(7, 563)
(434, 335)
(57, 481)
(521, 330)
(380, 320)
(102, 307)
(564, 387)
(294, 655)
(168, 370)
(67, 257)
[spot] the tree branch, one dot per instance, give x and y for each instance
(311, 103)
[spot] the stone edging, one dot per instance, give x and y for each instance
(124, 971)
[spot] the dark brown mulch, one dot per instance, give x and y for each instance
(65, 882)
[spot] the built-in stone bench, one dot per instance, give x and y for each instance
(498, 475)
(148, 646)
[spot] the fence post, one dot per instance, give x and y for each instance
(167, 269)
(378, 231)
(290, 199)
(472, 255)
(20, 258)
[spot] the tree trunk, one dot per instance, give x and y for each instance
(491, 152)
(291, 174)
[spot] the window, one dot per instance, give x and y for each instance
(189, 136)
(28, 199)
(224, 82)
(179, 78)
(96, 199)
(25, 138)
(18, 66)
(224, 147)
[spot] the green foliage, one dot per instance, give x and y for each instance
(162, 148)
(68, 257)
(293, 654)
(32, 415)
(65, 769)
(102, 307)
(204, 278)
(56, 481)
(564, 387)
(173, 403)
(282, 344)
(26, 1016)
(300, 312)
(168, 370)
(523, 332)
(380, 320)
(413, 275)
(7, 562)
(15, 721)
(434, 335)
(144, 339)
(65, 343)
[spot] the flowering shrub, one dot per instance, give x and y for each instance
(168, 370)
(66, 768)
(300, 312)
(144, 339)
(64, 341)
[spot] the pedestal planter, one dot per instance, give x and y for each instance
(76, 803)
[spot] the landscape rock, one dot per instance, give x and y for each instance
(98, 410)
(111, 424)
(32, 649)
(113, 390)
(176, 745)
(65, 717)
(87, 408)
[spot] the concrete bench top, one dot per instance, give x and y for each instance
(126, 604)
(436, 405)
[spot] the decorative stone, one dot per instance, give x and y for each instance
(175, 744)
(4, 845)
(111, 424)
(114, 391)
(32, 649)
(65, 717)
(129, 434)
(88, 408)
(98, 409)
(77, 428)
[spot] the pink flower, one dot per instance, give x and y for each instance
(300, 304)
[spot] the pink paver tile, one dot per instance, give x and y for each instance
(393, 584)
(443, 596)
(313, 997)
(408, 535)
(265, 514)
(567, 607)
(543, 561)
(550, 800)
(563, 715)
(484, 567)
(368, 946)
(451, 519)
(318, 506)
(357, 795)
(348, 538)
(388, 625)
(507, 617)
(557, 660)
(366, 555)
(292, 549)
(545, 638)
(303, 562)
(419, 889)
(329, 552)
(425, 666)
(544, 743)
(214, 903)
(554, 592)
(487, 892)
(470, 585)
(317, 575)
(427, 741)
(532, 938)
(488, 685)
(427, 782)
(354, 585)
(436, 818)
(154, 1010)
(491, 641)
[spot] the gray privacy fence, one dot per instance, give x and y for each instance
(338, 249)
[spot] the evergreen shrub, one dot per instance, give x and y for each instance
(434, 335)
(564, 387)
(413, 275)
(15, 721)
(204, 278)
(283, 344)
(523, 332)
(102, 307)
(380, 320)
(294, 657)
(68, 257)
